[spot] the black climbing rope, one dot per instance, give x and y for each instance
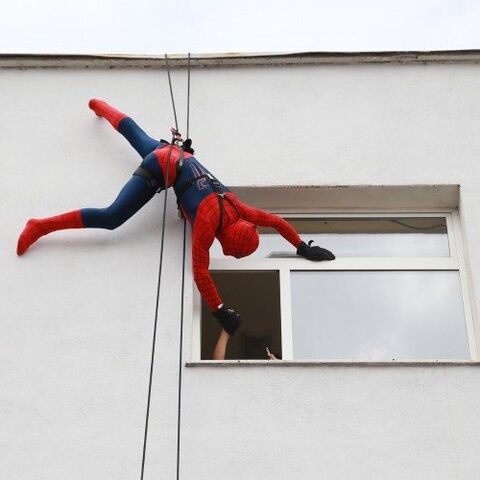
(180, 351)
(176, 139)
(188, 97)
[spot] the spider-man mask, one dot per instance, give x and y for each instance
(239, 239)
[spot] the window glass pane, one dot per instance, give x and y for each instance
(378, 315)
(255, 295)
(361, 237)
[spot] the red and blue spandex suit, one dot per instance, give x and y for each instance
(232, 222)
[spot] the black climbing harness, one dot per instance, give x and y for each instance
(221, 198)
(152, 181)
(216, 187)
(157, 182)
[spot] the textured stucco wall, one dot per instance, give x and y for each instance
(77, 311)
(331, 422)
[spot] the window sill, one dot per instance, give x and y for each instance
(328, 363)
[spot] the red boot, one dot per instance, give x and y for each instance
(103, 109)
(36, 228)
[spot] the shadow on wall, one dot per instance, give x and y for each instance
(255, 295)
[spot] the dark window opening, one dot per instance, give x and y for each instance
(255, 295)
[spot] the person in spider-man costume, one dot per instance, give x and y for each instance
(212, 209)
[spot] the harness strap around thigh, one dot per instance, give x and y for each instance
(153, 182)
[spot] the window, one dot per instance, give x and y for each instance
(397, 291)
(256, 294)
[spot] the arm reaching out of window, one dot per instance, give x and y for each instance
(221, 346)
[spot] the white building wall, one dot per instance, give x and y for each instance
(77, 310)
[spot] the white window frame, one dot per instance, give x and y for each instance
(455, 262)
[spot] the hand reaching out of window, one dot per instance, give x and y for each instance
(270, 355)
(221, 348)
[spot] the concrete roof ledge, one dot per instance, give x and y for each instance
(17, 60)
